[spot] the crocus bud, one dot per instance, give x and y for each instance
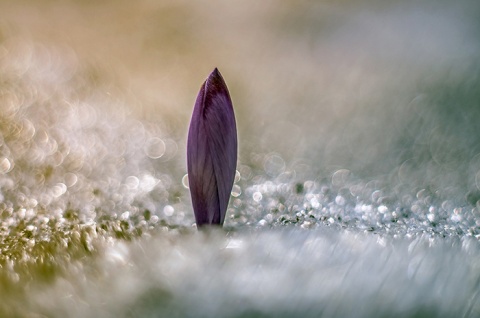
(212, 151)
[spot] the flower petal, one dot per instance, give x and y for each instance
(212, 151)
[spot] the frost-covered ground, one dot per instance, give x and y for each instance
(358, 184)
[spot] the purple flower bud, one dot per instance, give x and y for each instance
(212, 151)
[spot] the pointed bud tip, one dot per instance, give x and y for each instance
(214, 84)
(215, 75)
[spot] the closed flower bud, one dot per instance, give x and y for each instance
(212, 151)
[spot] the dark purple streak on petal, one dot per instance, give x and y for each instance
(212, 151)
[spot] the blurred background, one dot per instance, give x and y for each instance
(357, 114)
(385, 90)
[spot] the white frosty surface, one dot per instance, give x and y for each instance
(282, 272)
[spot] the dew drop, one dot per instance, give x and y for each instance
(168, 210)
(5, 165)
(340, 177)
(262, 222)
(132, 182)
(185, 181)
(125, 216)
(274, 165)
(340, 200)
(59, 189)
(148, 183)
(237, 176)
(154, 219)
(257, 196)
(155, 148)
(236, 190)
(70, 179)
(382, 209)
